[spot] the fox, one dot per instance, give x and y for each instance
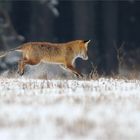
(63, 54)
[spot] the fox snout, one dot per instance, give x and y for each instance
(85, 56)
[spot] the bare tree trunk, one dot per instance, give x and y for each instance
(8, 35)
(42, 20)
(84, 19)
(109, 35)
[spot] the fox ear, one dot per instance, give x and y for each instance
(86, 41)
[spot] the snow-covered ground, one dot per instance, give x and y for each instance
(103, 109)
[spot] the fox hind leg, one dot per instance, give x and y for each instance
(21, 66)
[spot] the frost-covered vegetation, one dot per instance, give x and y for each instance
(103, 109)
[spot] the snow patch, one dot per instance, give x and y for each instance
(69, 109)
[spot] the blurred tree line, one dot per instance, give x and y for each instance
(108, 23)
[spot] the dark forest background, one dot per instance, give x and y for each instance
(113, 27)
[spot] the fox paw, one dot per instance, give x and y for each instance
(20, 72)
(79, 76)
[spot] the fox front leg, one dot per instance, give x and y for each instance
(76, 72)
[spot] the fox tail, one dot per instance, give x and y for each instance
(19, 49)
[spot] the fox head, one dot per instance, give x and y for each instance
(84, 49)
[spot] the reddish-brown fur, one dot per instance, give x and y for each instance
(58, 53)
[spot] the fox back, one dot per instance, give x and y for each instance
(54, 52)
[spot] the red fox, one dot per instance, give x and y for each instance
(57, 53)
